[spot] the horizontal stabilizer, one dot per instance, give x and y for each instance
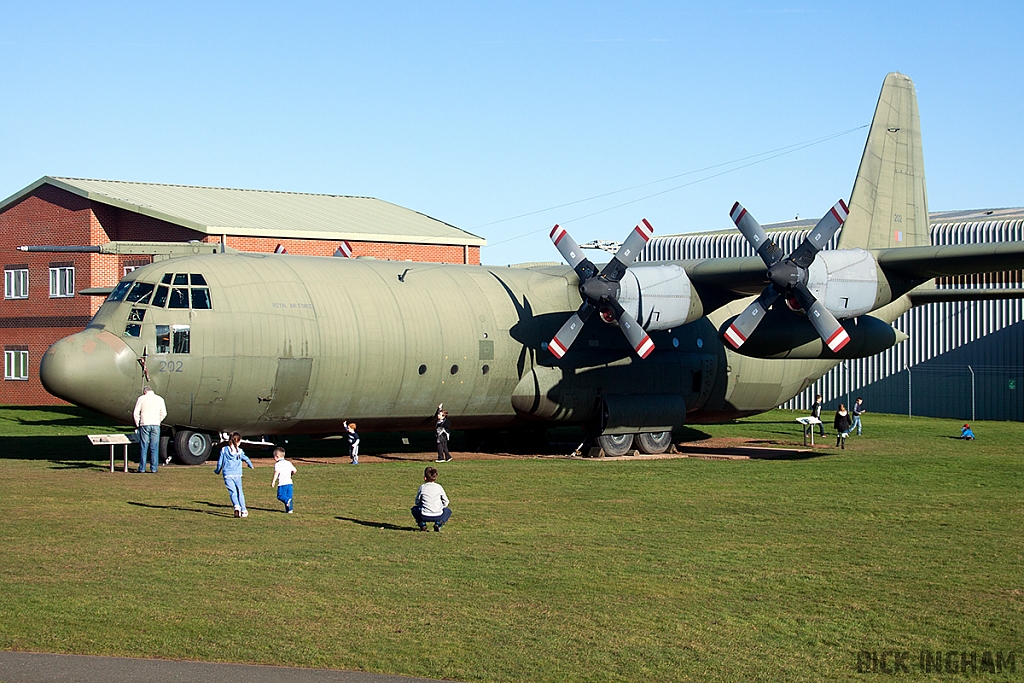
(922, 296)
(952, 259)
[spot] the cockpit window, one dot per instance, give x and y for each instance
(179, 298)
(140, 293)
(137, 315)
(132, 330)
(180, 295)
(160, 298)
(119, 291)
(163, 338)
(181, 338)
(200, 297)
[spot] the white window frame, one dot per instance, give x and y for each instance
(128, 269)
(62, 282)
(16, 365)
(16, 283)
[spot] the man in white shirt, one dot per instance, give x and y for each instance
(431, 502)
(150, 411)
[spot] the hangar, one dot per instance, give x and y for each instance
(42, 291)
(964, 360)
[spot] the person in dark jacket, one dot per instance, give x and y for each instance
(842, 425)
(816, 412)
(443, 429)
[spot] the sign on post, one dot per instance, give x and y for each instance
(114, 440)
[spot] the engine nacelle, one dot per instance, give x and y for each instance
(845, 281)
(659, 297)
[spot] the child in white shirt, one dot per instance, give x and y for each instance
(283, 471)
(431, 502)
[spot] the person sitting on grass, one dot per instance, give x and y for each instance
(966, 433)
(431, 502)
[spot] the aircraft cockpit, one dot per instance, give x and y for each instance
(180, 291)
(176, 290)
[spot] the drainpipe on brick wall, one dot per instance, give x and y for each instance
(465, 254)
(223, 243)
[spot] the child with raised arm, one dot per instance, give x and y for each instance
(283, 471)
(431, 502)
(353, 441)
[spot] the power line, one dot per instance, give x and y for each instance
(768, 156)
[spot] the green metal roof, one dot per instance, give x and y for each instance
(259, 213)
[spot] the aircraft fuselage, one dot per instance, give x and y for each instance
(299, 344)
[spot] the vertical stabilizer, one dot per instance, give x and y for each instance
(889, 204)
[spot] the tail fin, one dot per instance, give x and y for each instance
(889, 204)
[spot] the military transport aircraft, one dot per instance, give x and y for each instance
(271, 344)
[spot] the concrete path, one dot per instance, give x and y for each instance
(31, 667)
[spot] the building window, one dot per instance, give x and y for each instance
(16, 283)
(15, 364)
(62, 281)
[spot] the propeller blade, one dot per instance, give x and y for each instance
(821, 234)
(756, 236)
(824, 322)
(747, 321)
(572, 253)
(627, 253)
(635, 334)
(567, 334)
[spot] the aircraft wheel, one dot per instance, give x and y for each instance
(615, 444)
(654, 443)
(192, 448)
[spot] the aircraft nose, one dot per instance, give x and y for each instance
(94, 369)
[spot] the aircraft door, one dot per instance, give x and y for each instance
(290, 387)
(704, 376)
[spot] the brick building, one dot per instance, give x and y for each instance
(42, 301)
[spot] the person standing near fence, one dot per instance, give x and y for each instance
(150, 411)
(858, 409)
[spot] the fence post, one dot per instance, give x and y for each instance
(972, 393)
(910, 394)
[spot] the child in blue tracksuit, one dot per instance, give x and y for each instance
(230, 463)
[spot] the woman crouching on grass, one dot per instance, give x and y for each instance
(230, 463)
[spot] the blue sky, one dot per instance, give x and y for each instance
(477, 113)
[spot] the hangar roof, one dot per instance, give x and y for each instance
(260, 213)
(934, 218)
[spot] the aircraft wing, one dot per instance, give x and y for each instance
(952, 259)
(740, 276)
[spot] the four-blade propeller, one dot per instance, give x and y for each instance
(600, 291)
(788, 277)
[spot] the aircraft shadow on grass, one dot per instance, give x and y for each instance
(377, 525)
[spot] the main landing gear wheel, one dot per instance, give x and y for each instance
(615, 444)
(192, 448)
(654, 443)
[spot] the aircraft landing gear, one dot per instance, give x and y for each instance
(654, 443)
(192, 448)
(615, 444)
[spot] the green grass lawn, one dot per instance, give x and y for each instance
(551, 570)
